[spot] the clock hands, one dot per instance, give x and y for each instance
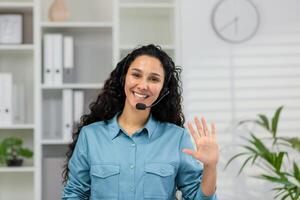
(236, 25)
(233, 21)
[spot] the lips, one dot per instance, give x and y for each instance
(140, 95)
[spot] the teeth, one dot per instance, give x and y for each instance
(140, 95)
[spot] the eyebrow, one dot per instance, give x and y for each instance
(152, 73)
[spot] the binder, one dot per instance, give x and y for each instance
(67, 114)
(18, 103)
(48, 51)
(58, 64)
(68, 52)
(6, 90)
(78, 105)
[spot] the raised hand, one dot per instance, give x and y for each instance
(207, 148)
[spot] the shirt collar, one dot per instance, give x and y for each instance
(151, 125)
(114, 127)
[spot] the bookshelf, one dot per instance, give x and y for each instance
(91, 27)
(18, 61)
(103, 32)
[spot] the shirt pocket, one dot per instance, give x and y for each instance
(159, 180)
(105, 181)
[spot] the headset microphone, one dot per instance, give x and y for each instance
(142, 106)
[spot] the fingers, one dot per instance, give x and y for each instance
(189, 152)
(205, 129)
(193, 132)
(199, 127)
(202, 129)
(213, 130)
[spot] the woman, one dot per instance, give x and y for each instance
(125, 149)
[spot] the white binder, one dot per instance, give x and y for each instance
(18, 103)
(78, 105)
(58, 63)
(6, 103)
(67, 114)
(68, 52)
(48, 59)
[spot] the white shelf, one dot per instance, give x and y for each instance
(77, 24)
(146, 5)
(16, 47)
(73, 86)
(16, 169)
(16, 5)
(102, 30)
(55, 142)
(17, 126)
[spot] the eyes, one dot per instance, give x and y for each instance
(151, 78)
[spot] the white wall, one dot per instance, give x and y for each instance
(227, 82)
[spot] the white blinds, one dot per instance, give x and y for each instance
(256, 77)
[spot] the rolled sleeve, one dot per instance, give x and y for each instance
(78, 184)
(189, 174)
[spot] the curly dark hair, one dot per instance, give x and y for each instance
(112, 97)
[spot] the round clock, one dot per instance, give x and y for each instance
(235, 21)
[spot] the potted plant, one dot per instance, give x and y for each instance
(271, 155)
(12, 151)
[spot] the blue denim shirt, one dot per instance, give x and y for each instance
(109, 164)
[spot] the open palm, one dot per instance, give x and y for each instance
(207, 148)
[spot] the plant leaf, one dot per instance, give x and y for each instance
(296, 172)
(245, 121)
(294, 142)
(264, 122)
(244, 164)
(262, 150)
(280, 192)
(273, 179)
(234, 157)
(285, 196)
(26, 153)
(251, 149)
(278, 161)
(275, 120)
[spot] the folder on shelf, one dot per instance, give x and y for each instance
(18, 103)
(67, 114)
(68, 52)
(6, 98)
(48, 59)
(58, 63)
(78, 105)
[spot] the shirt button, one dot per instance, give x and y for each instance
(131, 166)
(132, 189)
(162, 170)
(133, 145)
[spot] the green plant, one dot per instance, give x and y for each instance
(11, 149)
(271, 155)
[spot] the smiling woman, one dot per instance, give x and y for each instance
(120, 151)
(144, 81)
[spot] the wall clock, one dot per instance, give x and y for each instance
(235, 21)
